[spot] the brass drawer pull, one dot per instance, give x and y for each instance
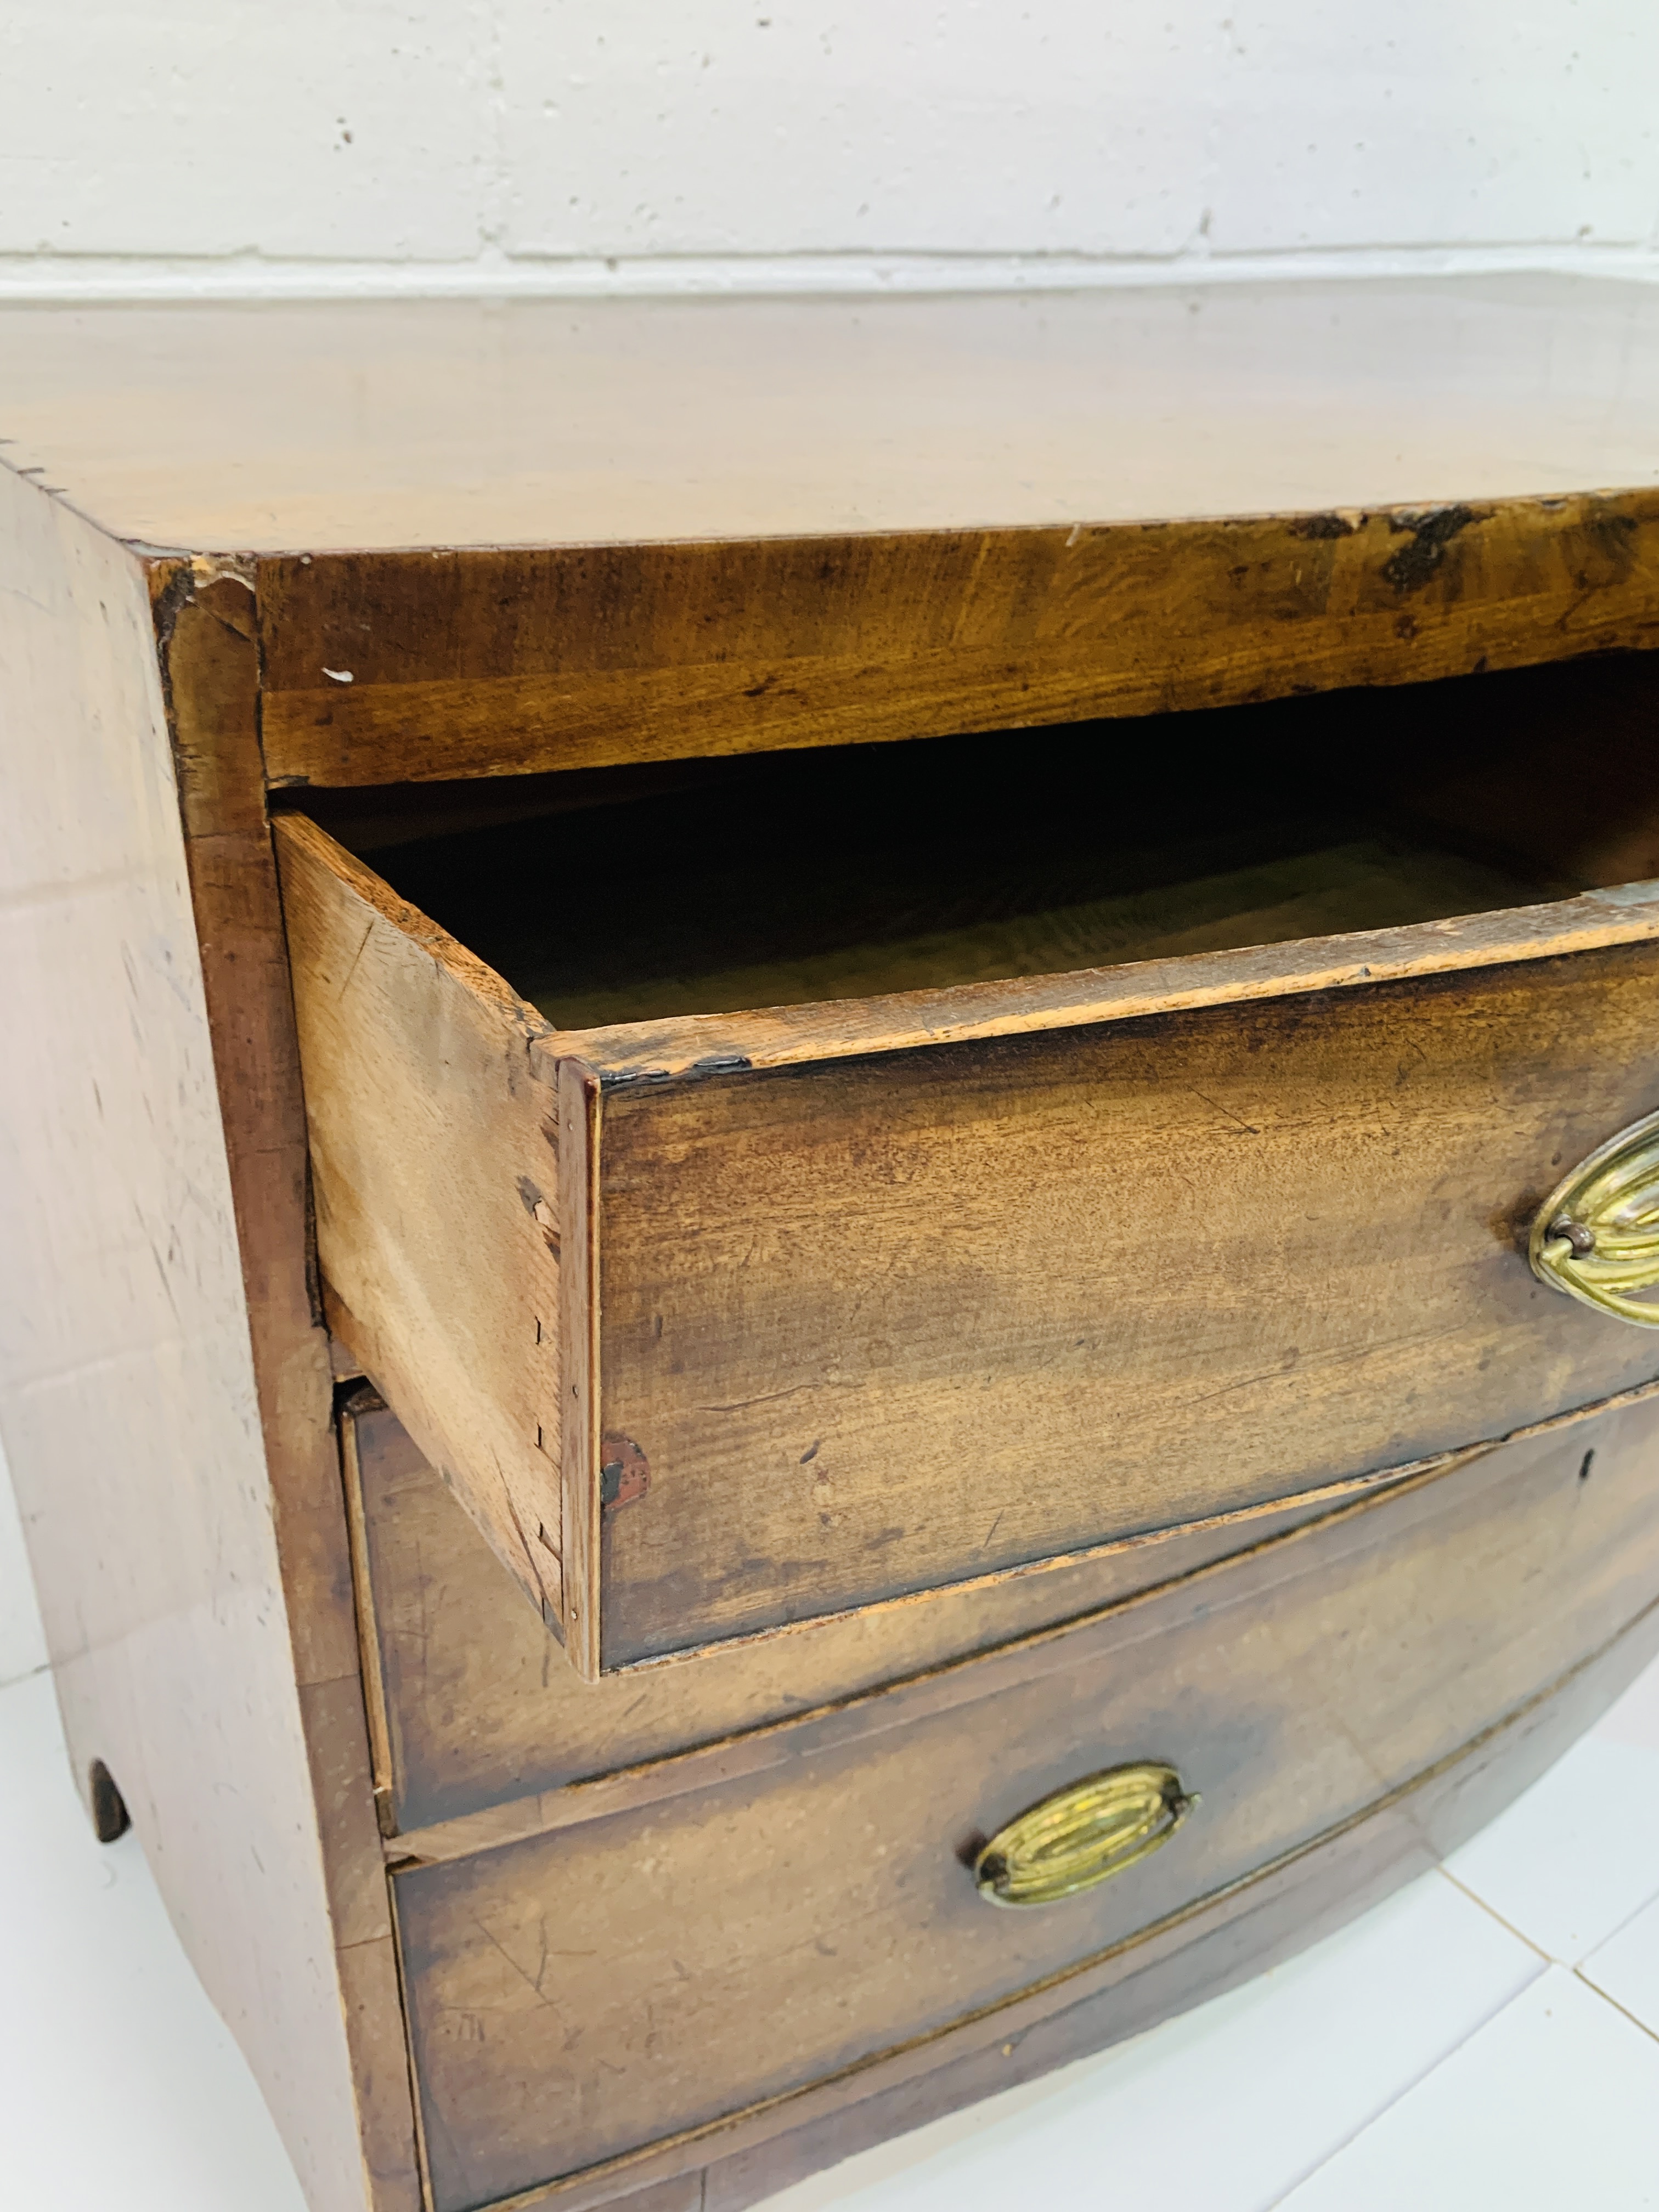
(1082, 1835)
(1596, 1236)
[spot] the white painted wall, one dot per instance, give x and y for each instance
(243, 145)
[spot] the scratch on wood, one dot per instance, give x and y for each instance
(767, 1397)
(355, 958)
(1216, 1107)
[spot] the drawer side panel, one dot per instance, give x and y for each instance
(434, 1166)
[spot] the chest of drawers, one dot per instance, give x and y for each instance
(797, 1167)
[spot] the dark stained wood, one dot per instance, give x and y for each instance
(486, 1727)
(483, 662)
(730, 1947)
(892, 1322)
(855, 872)
(1553, 768)
(930, 1691)
(877, 586)
(1244, 1932)
(1256, 1928)
(209, 661)
(960, 1245)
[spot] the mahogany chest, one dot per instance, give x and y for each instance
(834, 1131)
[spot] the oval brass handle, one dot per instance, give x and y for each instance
(1082, 1835)
(1596, 1236)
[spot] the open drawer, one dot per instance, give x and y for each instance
(1207, 1183)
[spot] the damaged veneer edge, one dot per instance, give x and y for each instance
(783, 1036)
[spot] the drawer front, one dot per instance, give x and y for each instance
(708, 1348)
(592, 1989)
(891, 1322)
(476, 1713)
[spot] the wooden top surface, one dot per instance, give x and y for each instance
(307, 427)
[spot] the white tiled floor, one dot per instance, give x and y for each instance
(1627, 1967)
(1555, 2101)
(1488, 2040)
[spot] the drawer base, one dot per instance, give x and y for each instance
(1257, 1925)
(778, 1936)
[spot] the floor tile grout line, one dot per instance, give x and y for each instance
(1491, 1911)
(1475, 1898)
(1596, 1989)
(1634, 1914)
(1446, 2057)
(1428, 2072)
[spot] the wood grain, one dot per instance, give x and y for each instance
(894, 586)
(208, 664)
(944, 1685)
(782, 1037)
(738, 1943)
(581, 1465)
(434, 1153)
(130, 1402)
(859, 871)
(499, 663)
(1254, 1929)
(1226, 1939)
(885, 1323)
(487, 1731)
(956, 1243)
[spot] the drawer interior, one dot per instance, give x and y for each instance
(856, 871)
(735, 1319)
